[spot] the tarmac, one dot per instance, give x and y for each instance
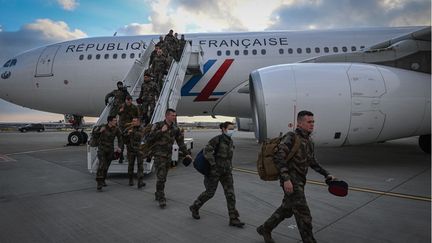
(48, 195)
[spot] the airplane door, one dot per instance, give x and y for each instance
(367, 87)
(45, 63)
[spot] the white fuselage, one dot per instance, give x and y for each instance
(73, 77)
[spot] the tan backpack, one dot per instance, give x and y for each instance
(267, 169)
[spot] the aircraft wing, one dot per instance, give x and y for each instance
(410, 51)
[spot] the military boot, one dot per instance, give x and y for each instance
(99, 186)
(236, 222)
(162, 202)
(266, 234)
(131, 182)
(104, 183)
(121, 158)
(195, 212)
(140, 184)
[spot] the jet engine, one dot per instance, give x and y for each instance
(352, 103)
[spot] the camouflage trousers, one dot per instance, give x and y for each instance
(159, 78)
(147, 108)
(131, 156)
(105, 158)
(162, 165)
(211, 183)
(294, 203)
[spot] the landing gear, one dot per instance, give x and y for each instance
(425, 143)
(76, 137)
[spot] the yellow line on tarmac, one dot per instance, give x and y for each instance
(358, 189)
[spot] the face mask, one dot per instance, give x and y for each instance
(229, 133)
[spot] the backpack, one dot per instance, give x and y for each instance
(95, 136)
(201, 164)
(267, 169)
(146, 146)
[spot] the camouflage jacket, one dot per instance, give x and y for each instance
(159, 64)
(127, 114)
(163, 141)
(134, 138)
(297, 168)
(106, 142)
(219, 152)
(119, 96)
(149, 90)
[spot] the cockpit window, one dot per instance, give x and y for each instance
(10, 63)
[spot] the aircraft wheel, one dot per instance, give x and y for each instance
(84, 137)
(75, 138)
(425, 143)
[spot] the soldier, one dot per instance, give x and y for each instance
(105, 151)
(171, 42)
(126, 112)
(159, 67)
(134, 135)
(219, 152)
(181, 45)
(148, 96)
(162, 135)
(293, 179)
(119, 97)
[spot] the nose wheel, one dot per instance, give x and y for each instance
(77, 137)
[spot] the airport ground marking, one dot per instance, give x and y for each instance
(5, 158)
(37, 151)
(358, 189)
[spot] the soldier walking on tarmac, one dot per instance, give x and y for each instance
(134, 134)
(162, 136)
(106, 133)
(293, 179)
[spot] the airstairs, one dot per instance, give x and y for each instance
(191, 62)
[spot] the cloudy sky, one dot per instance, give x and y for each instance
(25, 24)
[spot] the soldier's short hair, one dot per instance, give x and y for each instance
(169, 110)
(128, 97)
(303, 113)
(110, 118)
(119, 82)
(225, 124)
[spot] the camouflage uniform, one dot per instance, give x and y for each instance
(125, 117)
(162, 152)
(295, 170)
(181, 45)
(219, 152)
(159, 67)
(172, 45)
(149, 94)
(105, 151)
(119, 98)
(134, 139)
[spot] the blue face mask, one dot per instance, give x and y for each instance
(229, 133)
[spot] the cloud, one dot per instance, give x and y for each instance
(68, 5)
(327, 14)
(41, 32)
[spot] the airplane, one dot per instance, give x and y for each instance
(364, 85)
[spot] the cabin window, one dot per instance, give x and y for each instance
(228, 52)
(326, 49)
(98, 56)
(245, 52)
(219, 53)
(263, 52)
(115, 56)
(317, 50)
(344, 49)
(254, 52)
(353, 48)
(281, 51)
(308, 50)
(81, 57)
(123, 56)
(106, 56)
(237, 52)
(13, 62)
(89, 57)
(299, 50)
(132, 55)
(290, 50)
(335, 49)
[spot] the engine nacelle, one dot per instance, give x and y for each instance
(353, 103)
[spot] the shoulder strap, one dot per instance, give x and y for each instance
(295, 148)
